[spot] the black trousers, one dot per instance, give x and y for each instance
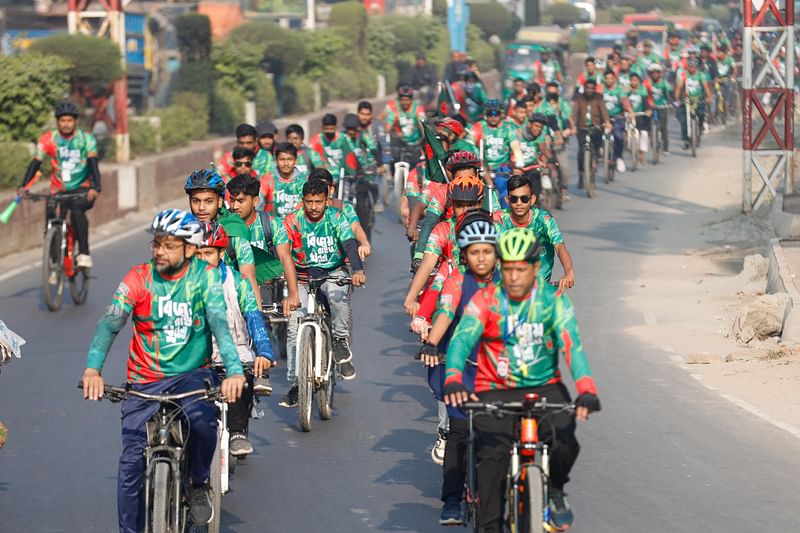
(596, 141)
(77, 208)
(455, 459)
(495, 437)
(239, 411)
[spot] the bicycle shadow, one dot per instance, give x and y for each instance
(410, 517)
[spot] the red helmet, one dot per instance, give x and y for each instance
(462, 159)
(404, 90)
(466, 188)
(214, 235)
(451, 124)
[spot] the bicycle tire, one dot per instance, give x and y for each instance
(161, 501)
(386, 188)
(325, 392)
(399, 187)
(656, 140)
(215, 481)
(305, 353)
(53, 262)
(608, 154)
(693, 137)
(589, 172)
(532, 481)
(79, 283)
(635, 151)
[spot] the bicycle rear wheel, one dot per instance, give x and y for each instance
(608, 156)
(216, 488)
(305, 356)
(53, 268)
(160, 499)
(399, 186)
(694, 141)
(325, 392)
(366, 215)
(530, 500)
(79, 283)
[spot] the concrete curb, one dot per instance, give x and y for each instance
(780, 279)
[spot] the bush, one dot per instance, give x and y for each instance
(579, 42)
(494, 19)
(227, 109)
(183, 121)
(14, 159)
(350, 18)
(479, 49)
(30, 86)
(142, 138)
(563, 14)
(94, 60)
(360, 81)
(380, 47)
(643, 6)
(265, 97)
(236, 67)
(194, 36)
(197, 104)
(297, 95)
(195, 76)
(282, 51)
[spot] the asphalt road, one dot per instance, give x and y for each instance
(665, 454)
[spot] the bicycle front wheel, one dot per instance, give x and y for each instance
(655, 140)
(160, 499)
(694, 140)
(635, 150)
(305, 376)
(589, 171)
(325, 392)
(530, 501)
(79, 283)
(216, 487)
(53, 268)
(399, 186)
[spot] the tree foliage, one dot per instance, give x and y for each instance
(194, 36)
(282, 51)
(323, 47)
(30, 87)
(563, 14)
(350, 18)
(494, 19)
(94, 60)
(237, 67)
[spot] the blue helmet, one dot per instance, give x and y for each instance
(205, 179)
(178, 223)
(493, 104)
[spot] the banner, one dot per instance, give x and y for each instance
(457, 22)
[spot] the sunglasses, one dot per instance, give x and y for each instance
(493, 113)
(525, 198)
(243, 163)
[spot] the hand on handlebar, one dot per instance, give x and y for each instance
(359, 278)
(290, 303)
(456, 394)
(586, 404)
(93, 385)
(567, 282)
(232, 387)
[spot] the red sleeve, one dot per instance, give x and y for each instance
(226, 166)
(427, 303)
(268, 191)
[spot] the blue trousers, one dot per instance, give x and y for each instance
(618, 132)
(201, 418)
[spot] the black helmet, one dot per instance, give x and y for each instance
(405, 90)
(350, 122)
(67, 109)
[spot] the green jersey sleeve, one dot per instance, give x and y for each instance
(245, 294)
(569, 342)
(244, 253)
(466, 336)
(112, 321)
(344, 228)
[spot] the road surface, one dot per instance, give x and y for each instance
(665, 455)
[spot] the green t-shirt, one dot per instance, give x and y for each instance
(725, 67)
(531, 148)
(638, 99)
(68, 158)
(645, 62)
(288, 193)
(613, 99)
(562, 111)
(660, 92)
(263, 162)
(317, 244)
(693, 84)
(405, 124)
(496, 141)
(544, 226)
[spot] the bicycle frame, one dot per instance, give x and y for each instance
(313, 322)
(168, 449)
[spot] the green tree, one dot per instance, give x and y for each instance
(323, 48)
(351, 19)
(94, 60)
(282, 51)
(563, 14)
(494, 19)
(236, 67)
(30, 87)
(194, 36)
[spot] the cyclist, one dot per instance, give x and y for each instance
(242, 160)
(672, 53)
(401, 120)
(423, 80)
(590, 72)
(520, 326)
(518, 94)
(206, 192)
(624, 72)
(523, 213)
(726, 73)
(329, 145)
(454, 130)
(518, 115)
(475, 97)
(559, 112)
(246, 136)
(177, 303)
(547, 69)
(371, 138)
(264, 159)
(692, 84)
(264, 232)
(638, 97)
(465, 192)
(659, 97)
(589, 110)
(307, 159)
(347, 209)
(535, 149)
(647, 57)
(500, 139)
(282, 188)
(476, 239)
(247, 328)
(321, 239)
(617, 105)
(72, 154)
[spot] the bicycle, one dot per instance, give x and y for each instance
(656, 142)
(316, 369)
(529, 468)
(59, 250)
(589, 160)
(549, 193)
(609, 165)
(166, 479)
(692, 124)
(406, 156)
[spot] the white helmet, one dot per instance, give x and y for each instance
(476, 227)
(178, 223)
(654, 67)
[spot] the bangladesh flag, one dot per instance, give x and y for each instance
(267, 267)
(434, 155)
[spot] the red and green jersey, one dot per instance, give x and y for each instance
(531, 148)
(331, 153)
(562, 111)
(693, 84)
(442, 241)
(405, 124)
(519, 342)
(416, 182)
(258, 235)
(450, 297)
(280, 196)
(318, 244)
(173, 319)
(496, 140)
(546, 71)
(434, 195)
(638, 98)
(263, 162)
(544, 226)
(68, 158)
(660, 94)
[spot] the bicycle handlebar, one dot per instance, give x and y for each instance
(57, 196)
(333, 279)
(515, 408)
(116, 394)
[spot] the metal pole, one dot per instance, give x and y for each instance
(117, 33)
(747, 123)
(790, 66)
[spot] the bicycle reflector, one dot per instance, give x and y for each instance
(529, 436)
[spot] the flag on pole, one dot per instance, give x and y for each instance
(434, 154)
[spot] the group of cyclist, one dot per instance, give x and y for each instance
(491, 321)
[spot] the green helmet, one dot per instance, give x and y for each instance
(518, 244)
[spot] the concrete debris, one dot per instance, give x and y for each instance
(706, 358)
(753, 277)
(762, 318)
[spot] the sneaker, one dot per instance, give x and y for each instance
(665, 153)
(620, 165)
(83, 261)
(341, 351)
(200, 508)
(290, 398)
(348, 371)
(560, 514)
(437, 452)
(262, 386)
(240, 445)
(451, 513)
(52, 279)
(379, 207)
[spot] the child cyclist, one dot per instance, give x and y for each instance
(247, 328)
(476, 236)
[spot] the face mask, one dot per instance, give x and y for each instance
(330, 136)
(552, 97)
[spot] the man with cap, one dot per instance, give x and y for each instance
(266, 143)
(547, 69)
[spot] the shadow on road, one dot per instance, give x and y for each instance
(410, 517)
